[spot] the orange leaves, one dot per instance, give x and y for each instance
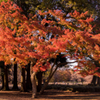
(89, 20)
(25, 39)
(97, 74)
(97, 38)
(58, 13)
(9, 42)
(42, 13)
(97, 47)
(41, 65)
(76, 14)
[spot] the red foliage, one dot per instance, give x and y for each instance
(21, 38)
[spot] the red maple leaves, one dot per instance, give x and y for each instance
(22, 38)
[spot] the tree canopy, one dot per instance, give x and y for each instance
(27, 38)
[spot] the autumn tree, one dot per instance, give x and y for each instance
(29, 41)
(66, 5)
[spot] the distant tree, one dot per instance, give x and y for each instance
(82, 80)
(62, 76)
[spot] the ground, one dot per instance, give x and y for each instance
(50, 95)
(56, 92)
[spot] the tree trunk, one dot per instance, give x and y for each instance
(95, 79)
(28, 81)
(2, 82)
(39, 78)
(46, 83)
(93, 82)
(34, 88)
(98, 78)
(98, 81)
(23, 84)
(2, 73)
(15, 86)
(5, 78)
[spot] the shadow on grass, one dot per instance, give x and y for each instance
(55, 93)
(60, 95)
(15, 95)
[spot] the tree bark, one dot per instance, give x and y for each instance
(15, 86)
(5, 87)
(95, 79)
(34, 88)
(39, 78)
(93, 82)
(28, 81)
(98, 78)
(2, 73)
(23, 84)
(46, 83)
(98, 81)
(2, 82)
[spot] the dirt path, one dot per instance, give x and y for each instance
(49, 95)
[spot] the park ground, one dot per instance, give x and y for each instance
(56, 93)
(49, 95)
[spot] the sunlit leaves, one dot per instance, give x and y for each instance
(25, 39)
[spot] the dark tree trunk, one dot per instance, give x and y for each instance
(98, 78)
(39, 78)
(95, 79)
(93, 82)
(2, 73)
(23, 84)
(28, 81)
(15, 86)
(98, 81)
(2, 82)
(5, 87)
